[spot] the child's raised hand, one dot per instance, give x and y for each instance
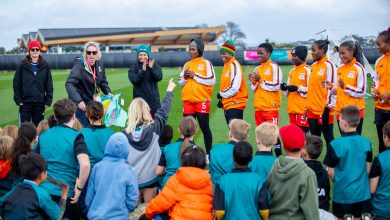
(171, 85)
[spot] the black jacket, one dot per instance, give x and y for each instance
(80, 84)
(322, 182)
(30, 88)
(145, 84)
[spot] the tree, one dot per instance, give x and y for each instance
(2, 50)
(233, 33)
(15, 50)
(203, 25)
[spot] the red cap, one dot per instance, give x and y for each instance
(292, 137)
(34, 43)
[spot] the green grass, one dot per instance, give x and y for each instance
(119, 83)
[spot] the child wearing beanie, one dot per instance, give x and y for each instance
(233, 94)
(291, 183)
(296, 88)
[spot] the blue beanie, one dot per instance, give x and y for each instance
(143, 48)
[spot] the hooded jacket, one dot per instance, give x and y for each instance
(145, 83)
(33, 88)
(112, 186)
(293, 189)
(144, 148)
(80, 84)
(323, 183)
(200, 87)
(187, 195)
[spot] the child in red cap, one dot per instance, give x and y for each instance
(292, 184)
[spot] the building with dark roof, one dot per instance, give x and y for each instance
(156, 37)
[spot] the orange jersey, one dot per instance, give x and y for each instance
(298, 76)
(267, 96)
(319, 97)
(233, 86)
(199, 88)
(381, 80)
(354, 78)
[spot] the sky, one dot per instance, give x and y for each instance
(278, 20)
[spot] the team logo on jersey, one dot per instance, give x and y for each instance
(301, 76)
(321, 72)
(267, 72)
(100, 69)
(201, 67)
(351, 75)
(227, 73)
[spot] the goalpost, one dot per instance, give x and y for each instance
(335, 38)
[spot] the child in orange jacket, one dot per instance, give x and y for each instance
(381, 85)
(266, 80)
(296, 88)
(197, 80)
(233, 94)
(321, 98)
(189, 193)
(352, 81)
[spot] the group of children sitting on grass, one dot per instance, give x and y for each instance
(95, 173)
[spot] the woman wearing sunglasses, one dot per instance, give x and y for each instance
(86, 79)
(33, 85)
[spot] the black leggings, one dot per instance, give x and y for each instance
(316, 129)
(203, 120)
(358, 129)
(233, 113)
(381, 117)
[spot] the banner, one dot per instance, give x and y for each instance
(277, 55)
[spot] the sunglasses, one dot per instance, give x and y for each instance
(35, 49)
(91, 52)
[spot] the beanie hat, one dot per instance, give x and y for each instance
(143, 48)
(293, 138)
(34, 43)
(228, 47)
(300, 52)
(199, 44)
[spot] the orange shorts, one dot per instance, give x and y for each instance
(267, 116)
(190, 108)
(298, 120)
(361, 114)
(319, 118)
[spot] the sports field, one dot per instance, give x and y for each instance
(119, 83)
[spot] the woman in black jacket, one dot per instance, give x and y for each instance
(144, 76)
(86, 79)
(33, 85)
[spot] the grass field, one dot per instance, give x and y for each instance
(119, 83)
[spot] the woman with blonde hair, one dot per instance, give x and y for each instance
(86, 79)
(143, 132)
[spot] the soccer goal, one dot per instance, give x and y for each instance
(336, 37)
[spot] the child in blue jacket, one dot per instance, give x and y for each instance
(112, 187)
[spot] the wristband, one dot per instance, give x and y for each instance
(77, 187)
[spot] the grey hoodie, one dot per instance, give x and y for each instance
(144, 150)
(293, 188)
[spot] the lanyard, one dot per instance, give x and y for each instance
(93, 71)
